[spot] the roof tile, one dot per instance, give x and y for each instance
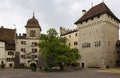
(96, 10)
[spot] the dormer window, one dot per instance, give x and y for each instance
(92, 18)
(98, 16)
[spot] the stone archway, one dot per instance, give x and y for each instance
(32, 65)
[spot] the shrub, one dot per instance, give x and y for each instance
(46, 69)
(22, 65)
(2, 66)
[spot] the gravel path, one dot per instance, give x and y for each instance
(88, 73)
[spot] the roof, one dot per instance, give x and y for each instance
(33, 23)
(69, 32)
(10, 46)
(8, 36)
(95, 11)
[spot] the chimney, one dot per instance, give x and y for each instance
(83, 12)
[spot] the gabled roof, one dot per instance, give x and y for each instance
(8, 36)
(95, 11)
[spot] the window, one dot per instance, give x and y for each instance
(34, 44)
(2, 62)
(69, 36)
(76, 34)
(32, 33)
(34, 50)
(86, 45)
(35, 56)
(23, 49)
(22, 56)
(23, 42)
(10, 53)
(92, 18)
(108, 42)
(75, 43)
(69, 44)
(98, 16)
(97, 43)
(10, 59)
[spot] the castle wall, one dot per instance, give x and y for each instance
(94, 35)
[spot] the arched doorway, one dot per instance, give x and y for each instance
(33, 65)
(82, 65)
(2, 62)
(10, 65)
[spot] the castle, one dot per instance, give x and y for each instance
(20, 49)
(95, 37)
(97, 33)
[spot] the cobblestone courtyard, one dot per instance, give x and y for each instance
(88, 73)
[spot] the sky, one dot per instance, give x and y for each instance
(49, 13)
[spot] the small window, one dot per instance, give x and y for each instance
(34, 50)
(10, 53)
(76, 34)
(34, 44)
(32, 33)
(75, 43)
(35, 56)
(69, 44)
(69, 36)
(23, 42)
(108, 42)
(98, 16)
(23, 49)
(97, 43)
(86, 45)
(22, 56)
(92, 18)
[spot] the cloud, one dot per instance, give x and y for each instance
(50, 13)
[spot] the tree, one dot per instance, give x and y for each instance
(54, 50)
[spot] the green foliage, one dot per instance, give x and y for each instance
(54, 50)
(46, 69)
(22, 65)
(63, 40)
(2, 66)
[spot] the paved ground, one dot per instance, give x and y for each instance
(88, 73)
(111, 70)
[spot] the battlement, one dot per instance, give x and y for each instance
(21, 36)
(64, 31)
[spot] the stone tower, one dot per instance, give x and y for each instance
(97, 35)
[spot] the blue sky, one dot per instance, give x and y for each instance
(50, 13)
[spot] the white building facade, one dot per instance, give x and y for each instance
(27, 44)
(2, 53)
(71, 35)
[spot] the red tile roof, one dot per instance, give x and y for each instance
(95, 11)
(8, 35)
